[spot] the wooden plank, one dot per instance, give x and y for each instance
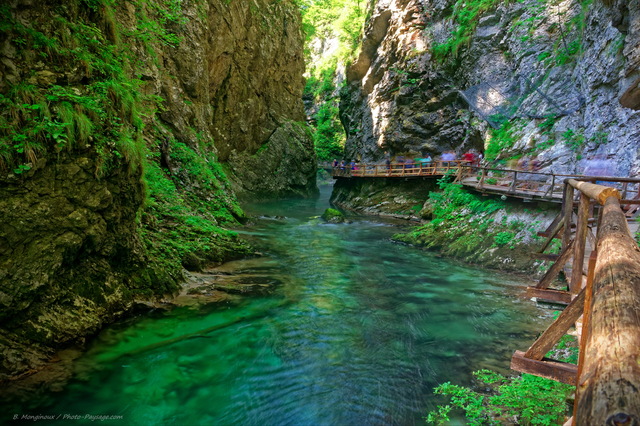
(549, 295)
(551, 226)
(586, 317)
(608, 388)
(553, 233)
(555, 269)
(554, 370)
(567, 209)
(559, 328)
(545, 256)
(580, 244)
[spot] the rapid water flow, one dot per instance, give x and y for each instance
(358, 331)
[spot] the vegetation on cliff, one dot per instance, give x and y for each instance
(489, 231)
(114, 191)
(333, 31)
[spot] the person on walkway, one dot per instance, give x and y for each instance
(447, 158)
(469, 157)
(408, 164)
(335, 163)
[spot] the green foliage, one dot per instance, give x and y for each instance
(183, 224)
(501, 140)
(333, 19)
(503, 238)
(340, 20)
(466, 14)
(329, 135)
(530, 399)
(568, 45)
(105, 110)
(599, 138)
(574, 140)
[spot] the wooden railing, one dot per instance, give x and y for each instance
(437, 168)
(607, 376)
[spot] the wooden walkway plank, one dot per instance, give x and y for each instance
(554, 370)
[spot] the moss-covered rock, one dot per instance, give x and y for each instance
(485, 231)
(110, 180)
(333, 216)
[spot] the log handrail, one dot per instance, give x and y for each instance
(607, 377)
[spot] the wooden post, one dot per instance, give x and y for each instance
(515, 179)
(567, 201)
(586, 317)
(608, 390)
(580, 244)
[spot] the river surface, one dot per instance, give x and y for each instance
(357, 331)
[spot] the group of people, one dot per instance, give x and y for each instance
(425, 160)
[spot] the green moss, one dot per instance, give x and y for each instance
(182, 227)
(333, 216)
(465, 15)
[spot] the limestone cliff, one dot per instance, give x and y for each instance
(434, 75)
(125, 130)
(552, 79)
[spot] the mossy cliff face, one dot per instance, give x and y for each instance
(121, 126)
(486, 231)
(383, 197)
(255, 90)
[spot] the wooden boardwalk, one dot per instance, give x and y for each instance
(399, 170)
(525, 185)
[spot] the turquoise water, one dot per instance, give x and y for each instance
(357, 331)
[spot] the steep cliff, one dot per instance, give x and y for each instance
(125, 130)
(558, 77)
(556, 80)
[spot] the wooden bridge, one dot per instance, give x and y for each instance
(399, 170)
(601, 262)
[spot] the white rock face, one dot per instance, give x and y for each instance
(567, 76)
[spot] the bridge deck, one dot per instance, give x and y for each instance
(522, 184)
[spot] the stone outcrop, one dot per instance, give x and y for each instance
(568, 70)
(119, 121)
(557, 80)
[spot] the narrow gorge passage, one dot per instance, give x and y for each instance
(358, 331)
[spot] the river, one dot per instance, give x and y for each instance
(357, 331)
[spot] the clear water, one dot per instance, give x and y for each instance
(358, 331)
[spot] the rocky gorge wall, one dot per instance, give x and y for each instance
(556, 80)
(126, 130)
(551, 75)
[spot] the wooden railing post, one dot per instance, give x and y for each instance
(580, 244)
(567, 208)
(608, 387)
